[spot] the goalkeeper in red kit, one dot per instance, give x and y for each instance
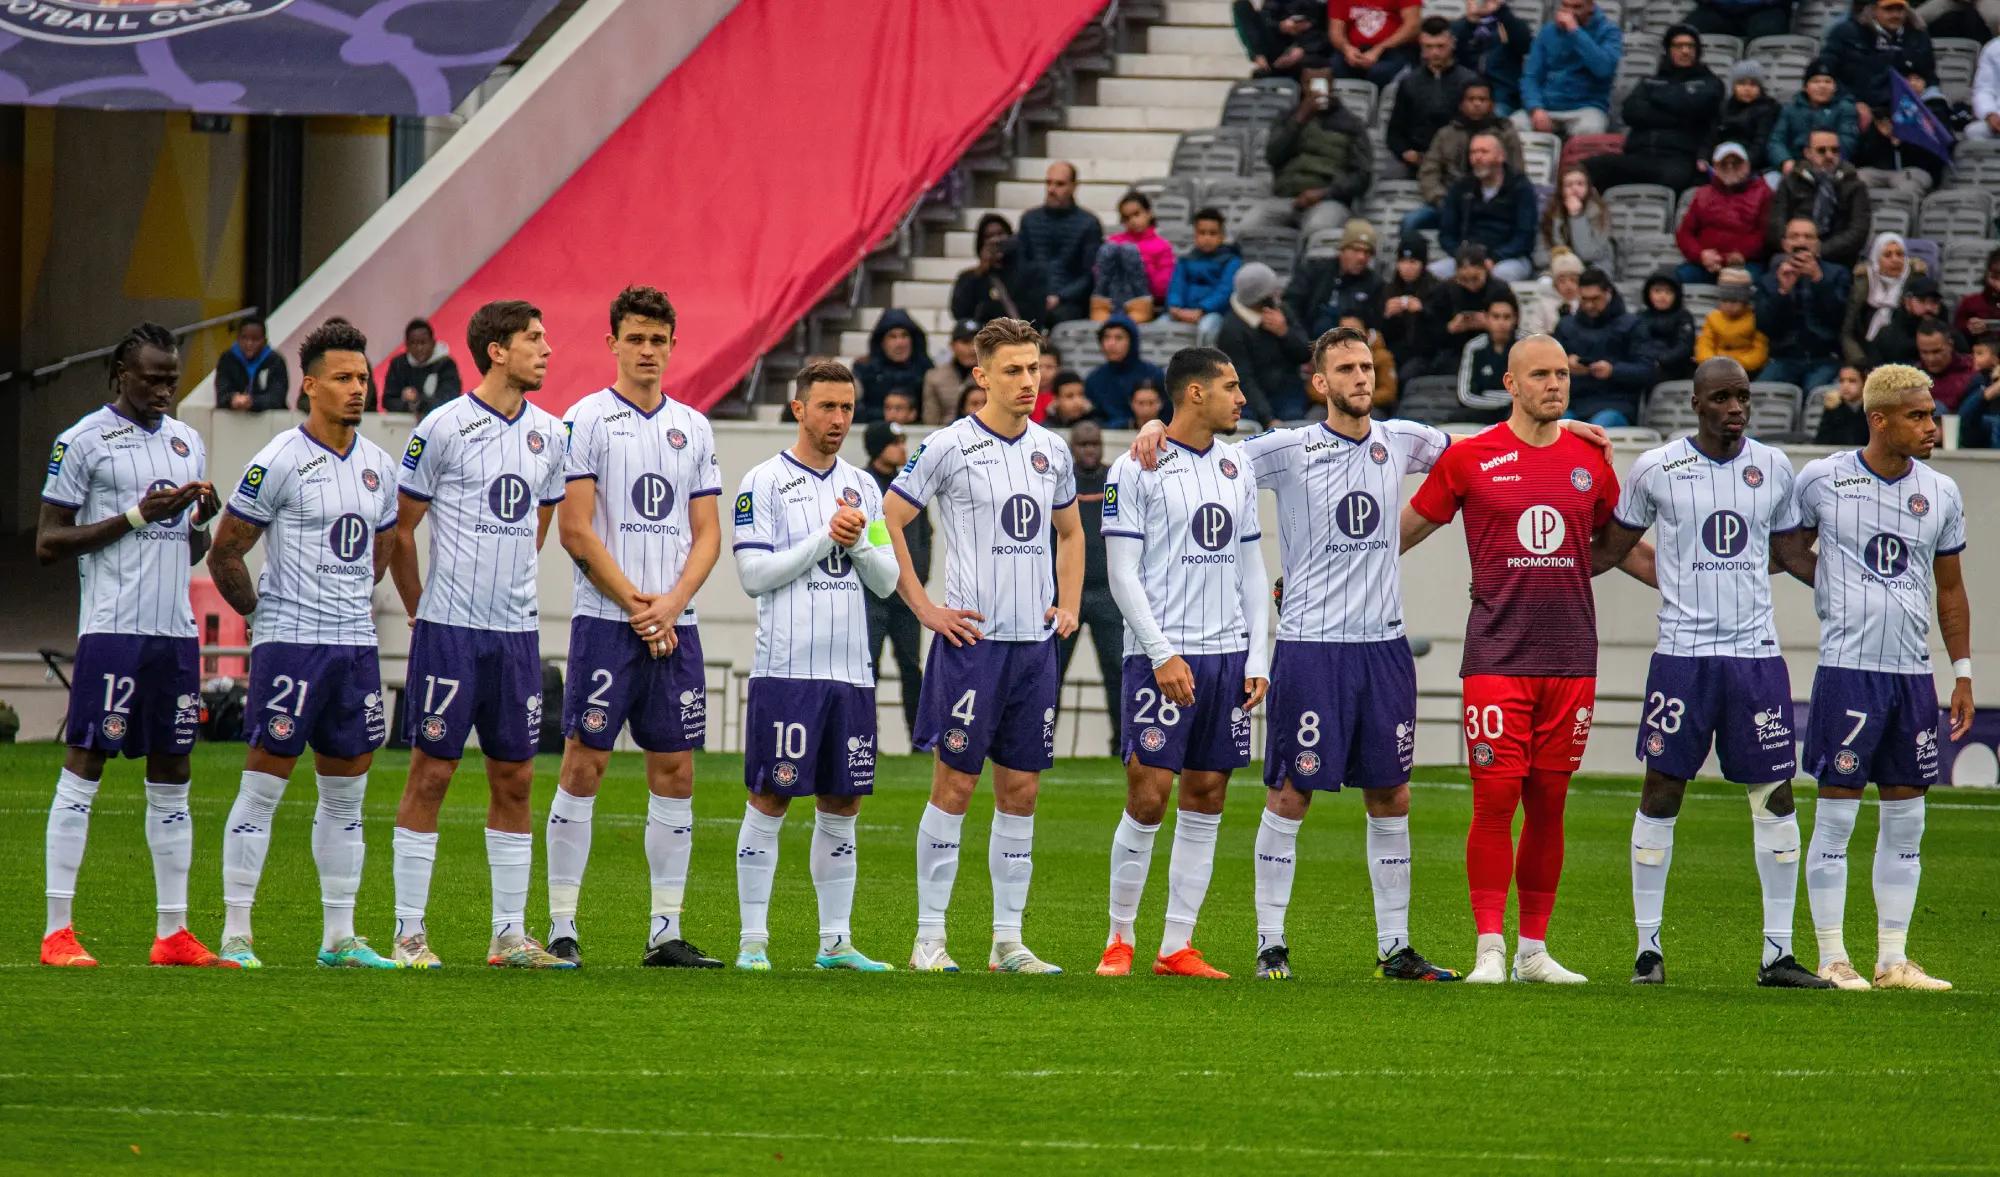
(1536, 500)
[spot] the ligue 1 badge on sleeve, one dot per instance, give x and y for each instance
(123, 22)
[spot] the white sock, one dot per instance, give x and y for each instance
(938, 837)
(69, 828)
(170, 836)
(1131, 859)
(833, 872)
(1189, 867)
(1777, 844)
(1652, 856)
(338, 851)
(1276, 863)
(510, 858)
(569, 849)
(1389, 876)
(669, 845)
(1525, 948)
(1010, 861)
(1899, 866)
(245, 843)
(415, 854)
(1826, 873)
(756, 865)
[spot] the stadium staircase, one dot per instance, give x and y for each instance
(1116, 114)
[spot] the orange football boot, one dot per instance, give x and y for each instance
(61, 949)
(1117, 960)
(1187, 963)
(182, 948)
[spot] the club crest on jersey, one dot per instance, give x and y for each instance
(253, 482)
(1482, 754)
(956, 740)
(281, 727)
(785, 774)
(594, 720)
(371, 480)
(1227, 467)
(1152, 739)
(1845, 761)
(850, 496)
(1307, 763)
(414, 453)
(1753, 477)
(1581, 479)
(56, 455)
(677, 439)
(113, 727)
(1379, 454)
(744, 509)
(535, 442)
(179, 447)
(1040, 461)
(1919, 506)
(433, 728)
(1655, 743)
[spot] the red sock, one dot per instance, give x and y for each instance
(1489, 851)
(1541, 862)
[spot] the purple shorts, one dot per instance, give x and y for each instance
(1741, 705)
(1867, 725)
(134, 694)
(328, 698)
(808, 737)
(1211, 736)
(614, 679)
(990, 700)
(1341, 714)
(465, 679)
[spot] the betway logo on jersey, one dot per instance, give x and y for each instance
(1541, 530)
(1677, 463)
(474, 425)
(1502, 460)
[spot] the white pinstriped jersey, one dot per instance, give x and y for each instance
(321, 512)
(1338, 504)
(1715, 521)
(1192, 511)
(485, 477)
(101, 467)
(1877, 541)
(997, 494)
(816, 626)
(648, 469)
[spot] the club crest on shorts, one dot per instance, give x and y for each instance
(371, 480)
(1753, 477)
(1227, 467)
(1040, 461)
(677, 439)
(850, 496)
(433, 728)
(1482, 754)
(281, 727)
(1655, 743)
(1845, 761)
(535, 442)
(594, 720)
(956, 740)
(1379, 453)
(1919, 506)
(1581, 480)
(179, 447)
(785, 773)
(1306, 763)
(1152, 739)
(113, 727)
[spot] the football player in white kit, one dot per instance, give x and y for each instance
(810, 545)
(127, 496)
(326, 497)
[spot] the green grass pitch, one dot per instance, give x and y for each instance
(619, 1068)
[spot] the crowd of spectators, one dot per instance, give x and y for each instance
(252, 377)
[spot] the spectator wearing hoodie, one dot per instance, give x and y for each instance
(1800, 300)
(1323, 291)
(1731, 328)
(896, 360)
(1448, 159)
(1405, 331)
(1671, 118)
(1578, 220)
(1494, 42)
(1828, 192)
(423, 375)
(251, 376)
(1745, 20)
(1320, 158)
(1979, 312)
(1427, 96)
(1062, 239)
(1566, 84)
(1204, 277)
(1726, 222)
(1373, 39)
(1111, 384)
(1493, 207)
(1749, 114)
(1876, 298)
(1266, 346)
(1456, 310)
(1664, 329)
(943, 383)
(1609, 371)
(1154, 270)
(1986, 94)
(1818, 106)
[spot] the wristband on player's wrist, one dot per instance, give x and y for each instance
(1962, 668)
(198, 523)
(134, 517)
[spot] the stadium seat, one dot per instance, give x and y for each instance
(1890, 218)
(1813, 17)
(1669, 406)
(1077, 341)
(1382, 160)
(1242, 212)
(1683, 203)
(1956, 212)
(1774, 407)
(1613, 10)
(1357, 95)
(1814, 409)
(1639, 254)
(1324, 243)
(1274, 245)
(1172, 207)
(1719, 51)
(1700, 298)
(1640, 209)
(1209, 189)
(1652, 18)
(1924, 250)
(1634, 435)
(1254, 163)
(1259, 102)
(1539, 152)
(1430, 399)
(1219, 152)
(1161, 338)
(1978, 163)
(1784, 59)
(1963, 269)
(1448, 9)
(1179, 234)
(1632, 291)
(1881, 198)
(1157, 186)
(1957, 58)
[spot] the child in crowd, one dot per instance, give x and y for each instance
(1147, 404)
(1134, 266)
(1843, 423)
(1665, 329)
(1403, 295)
(1203, 278)
(1071, 404)
(1731, 328)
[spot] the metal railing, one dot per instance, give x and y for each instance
(48, 371)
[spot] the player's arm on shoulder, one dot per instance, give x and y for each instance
(234, 537)
(1954, 610)
(1435, 502)
(1594, 434)
(410, 511)
(1415, 528)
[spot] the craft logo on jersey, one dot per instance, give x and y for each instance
(433, 728)
(1753, 477)
(653, 496)
(1040, 461)
(1655, 743)
(535, 442)
(1358, 514)
(1724, 533)
(1307, 763)
(1021, 518)
(1540, 529)
(180, 449)
(1845, 761)
(371, 480)
(508, 497)
(1581, 480)
(1211, 526)
(1919, 506)
(1152, 739)
(956, 740)
(348, 537)
(851, 497)
(281, 727)
(121, 22)
(837, 563)
(113, 727)
(1482, 754)
(1227, 467)
(677, 439)
(594, 720)
(1886, 556)
(1378, 453)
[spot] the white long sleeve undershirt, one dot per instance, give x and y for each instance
(765, 572)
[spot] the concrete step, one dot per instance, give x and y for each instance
(1182, 65)
(1213, 13)
(1205, 40)
(913, 294)
(941, 269)
(1205, 94)
(1096, 169)
(1100, 197)
(1111, 145)
(1142, 118)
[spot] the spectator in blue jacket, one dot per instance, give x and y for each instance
(1493, 41)
(1494, 206)
(1566, 84)
(1203, 278)
(1818, 106)
(1608, 365)
(1111, 384)
(1799, 306)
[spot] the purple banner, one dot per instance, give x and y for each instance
(408, 57)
